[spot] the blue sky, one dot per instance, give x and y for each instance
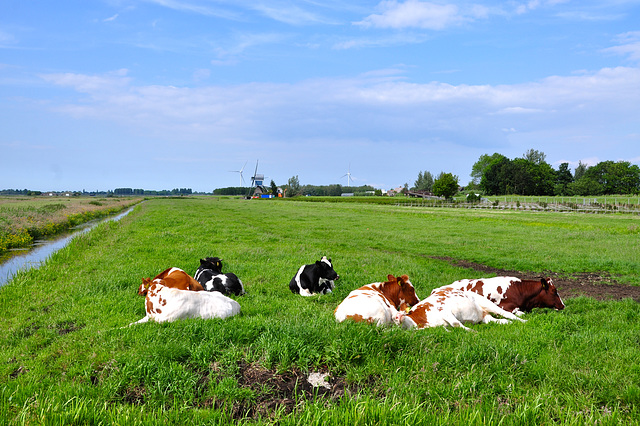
(163, 94)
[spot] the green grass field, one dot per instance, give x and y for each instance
(65, 358)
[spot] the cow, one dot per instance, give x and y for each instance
(452, 307)
(210, 276)
(316, 278)
(378, 302)
(513, 294)
(165, 304)
(174, 278)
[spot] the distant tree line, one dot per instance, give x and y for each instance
(532, 175)
(294, 189)
(19, 192)
(130, 191)
(231, 190)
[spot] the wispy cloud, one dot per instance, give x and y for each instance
(111, 18)
(629, 44)
(413, 14)
(373, 104)
(531, 5)
(206, 9)
(289, 14)
(7, 39)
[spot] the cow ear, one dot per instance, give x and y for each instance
(391, 278)
(318, 263)
(400, 281)
(545, 284)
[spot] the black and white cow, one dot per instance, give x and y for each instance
(210, 275)
(315, 278)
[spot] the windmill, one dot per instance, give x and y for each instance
(240, 171)
(348, 175)
(257, 183)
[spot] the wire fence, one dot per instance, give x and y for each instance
(593, 205)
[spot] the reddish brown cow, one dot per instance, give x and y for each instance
(172, 278)
(513, 294)
(378, 302)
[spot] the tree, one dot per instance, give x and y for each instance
(480, 166)
(293, 186)
(580, 170)
(446, 185)
(535, 156)
(493, 181)
(615, 177)
(274, 188)
(563, 179)
(424, 182)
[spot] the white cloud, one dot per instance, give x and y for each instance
(413, 14)
(192, 7)
(535, 4)
(289, 14)
(377, 105)
(629, 45)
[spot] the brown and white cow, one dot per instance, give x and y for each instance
(513, 294)
(452, 307)
(164, 304)
(378, 302)
(173, 278)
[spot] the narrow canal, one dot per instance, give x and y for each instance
(42, 249)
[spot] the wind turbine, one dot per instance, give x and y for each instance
(348, 175)
(240, 171)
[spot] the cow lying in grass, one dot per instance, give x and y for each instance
(452, 307)
(174, 278)
(316, 278)
(210, 276)
(164, 304)
(513, 294)
(378, 302)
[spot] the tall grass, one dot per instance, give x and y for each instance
(65, 358)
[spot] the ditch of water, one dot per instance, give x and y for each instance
(41, 250)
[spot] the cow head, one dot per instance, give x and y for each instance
(548, 296)
(325, 269)
(400, 292)
(213, 263)
(144, 287)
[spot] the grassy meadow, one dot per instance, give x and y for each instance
(65, 357)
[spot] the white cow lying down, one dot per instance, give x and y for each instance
(452, 307)
(169, 304)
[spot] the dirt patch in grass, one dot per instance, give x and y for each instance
(279, 391)
(598, 286)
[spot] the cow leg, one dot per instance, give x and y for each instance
(142, 321)
(305, 292)
(490, 307)
(488, 318)
(451, 320)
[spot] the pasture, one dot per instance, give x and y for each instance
(65, 358)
